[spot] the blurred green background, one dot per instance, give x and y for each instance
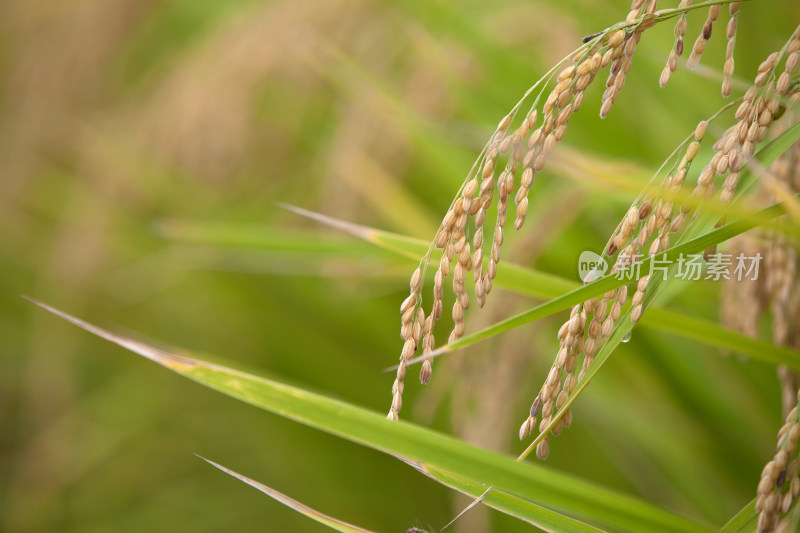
(125, 124)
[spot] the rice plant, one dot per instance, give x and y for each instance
(723, 200)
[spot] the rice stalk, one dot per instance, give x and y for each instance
(777, 292)
(654, 218)
(507, 167)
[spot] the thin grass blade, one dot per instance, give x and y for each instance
(301, 508)
(536, 515)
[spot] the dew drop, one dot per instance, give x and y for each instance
(627, 337)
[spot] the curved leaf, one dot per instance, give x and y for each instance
(511, 277)
(541, 486)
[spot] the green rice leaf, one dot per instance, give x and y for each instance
(511, 276)
(575, 498)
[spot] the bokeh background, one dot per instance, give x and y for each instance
(143, 147)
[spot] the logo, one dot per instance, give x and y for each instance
(715, 267)
(591, 266)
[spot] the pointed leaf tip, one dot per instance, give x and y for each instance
(171, 361)
(329, 521)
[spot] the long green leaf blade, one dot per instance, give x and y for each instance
(511, 277)
(537, 484)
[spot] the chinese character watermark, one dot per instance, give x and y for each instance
(693, 267)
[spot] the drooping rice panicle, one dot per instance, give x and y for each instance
(730, 33)
(515, 155)
(677, 48)
(779, 485)
(525, 151)
(660, 217)
(702, 39)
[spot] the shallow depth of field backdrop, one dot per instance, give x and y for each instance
(143, 148)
